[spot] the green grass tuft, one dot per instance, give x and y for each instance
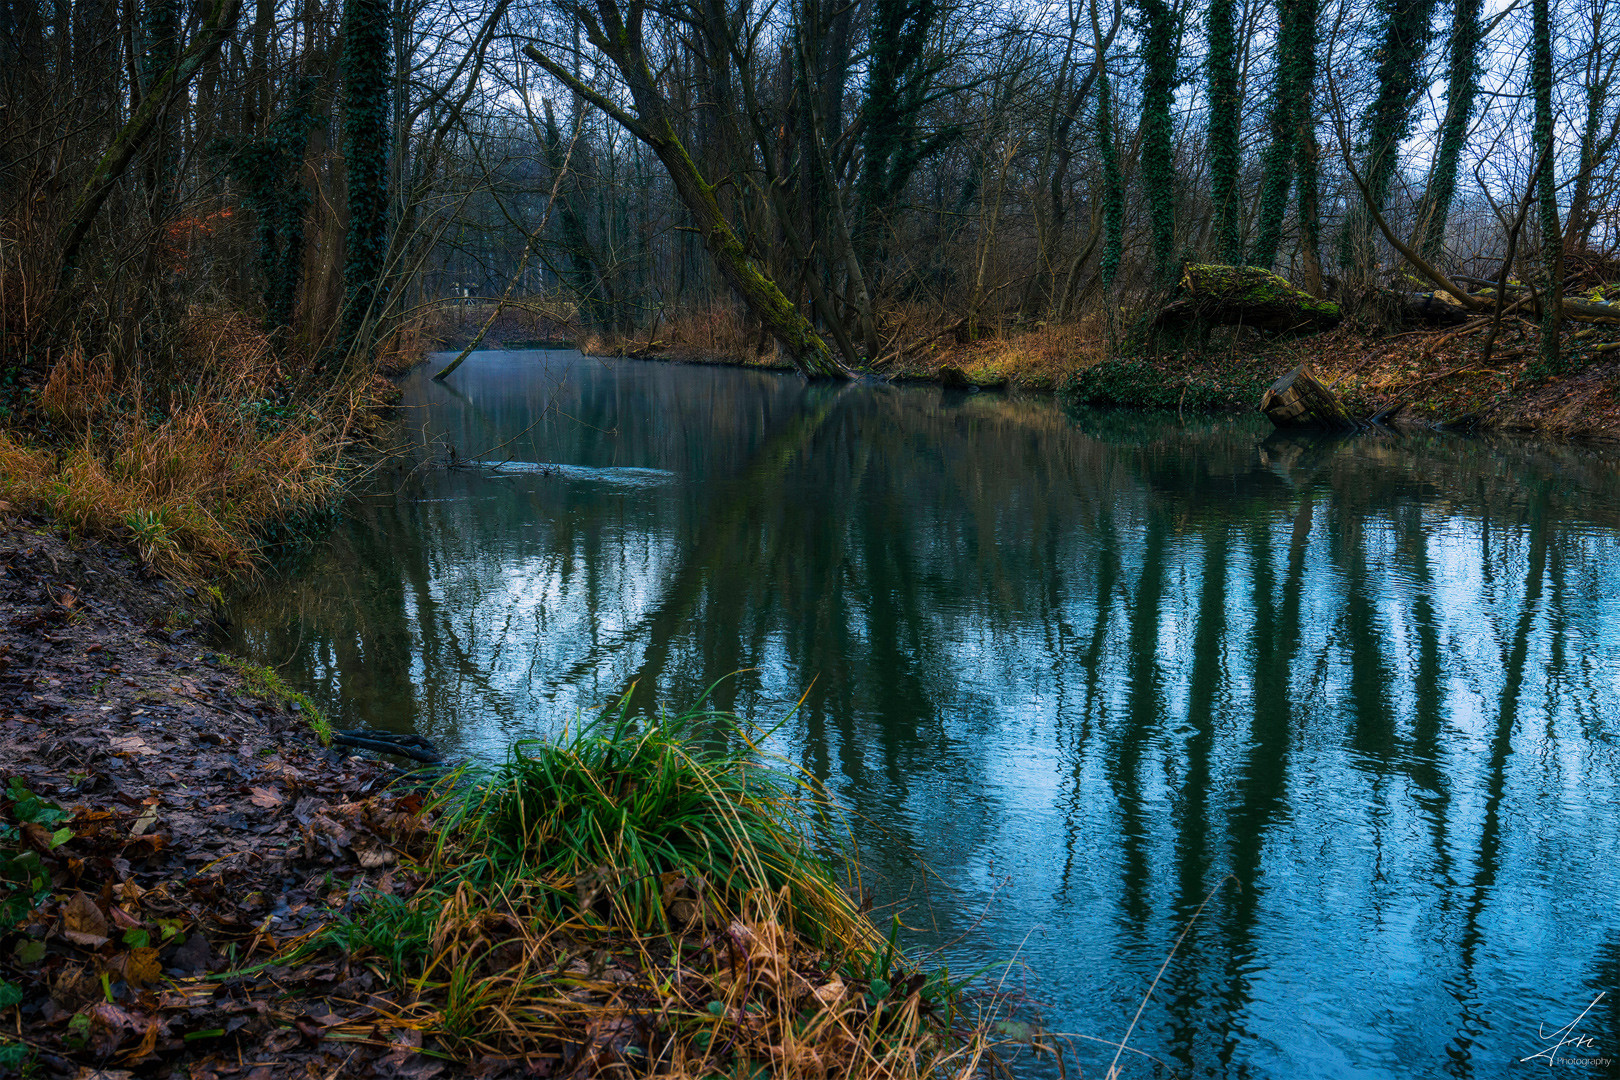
(655, 875)
(604, 820)
(265, 683)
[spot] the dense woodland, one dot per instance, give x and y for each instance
(846, 179)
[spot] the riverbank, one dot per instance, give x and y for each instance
(195, 887)
(208, 456)
(1422, 376)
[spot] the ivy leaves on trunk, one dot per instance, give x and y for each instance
(1462, 86)
(1403, 40)
(365, 66)
(268, 171)
(1159, 49)
(1552, 247)
(1223, 130)
(1292, 153)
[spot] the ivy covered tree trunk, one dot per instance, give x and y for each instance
(1292, 153)
(268, 171)
(1113, 185)
(1223, 131)
(1403, 38)
(1552, 247)
(161, 30)
(1158, 160)
(365, 70)
(1462, 86)
(900, 77)
(1277, 170)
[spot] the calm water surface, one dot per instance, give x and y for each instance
(1088, 670)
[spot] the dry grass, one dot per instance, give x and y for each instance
(919, 341)
(716, 334)
(1035, 359)
(191, 476)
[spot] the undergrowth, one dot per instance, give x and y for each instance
(200, 463)
(1177, 383)
(645, 899)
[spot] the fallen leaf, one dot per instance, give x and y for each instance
(83, 923)
(128, 744)
(139, 967)
(109, 1025)
(374, 856)
(265, 798)
(147, 819)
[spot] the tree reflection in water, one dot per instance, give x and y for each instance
(1082, 667)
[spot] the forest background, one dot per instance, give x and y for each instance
(217, 221)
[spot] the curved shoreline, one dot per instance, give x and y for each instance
(1370, 372)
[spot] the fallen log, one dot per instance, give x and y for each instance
(1215, 295)
(1576, 308)
(1431, 308)
(1299, 400)
(414, 747)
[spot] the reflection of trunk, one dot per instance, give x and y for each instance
(1092, 663)
(1262, 782)
(1144, 707)
(1428, 693)
(1192, 833)
(1507, 717)
(1369, 673)
(715, 546)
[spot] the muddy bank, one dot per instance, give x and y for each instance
(165, 832)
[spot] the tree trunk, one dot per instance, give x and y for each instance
(1552, 248)
(1158, 134)
(1247, 296)
(1462, 84)
(620, 42)
(1223, 130)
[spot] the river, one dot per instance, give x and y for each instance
(1088, 670)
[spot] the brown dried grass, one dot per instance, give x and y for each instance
(718, 332)
(637, 902)
(191, 479)
(1037, 359)
(743, 996)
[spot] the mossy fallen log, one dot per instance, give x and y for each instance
(1215, 295)
(1299, 400)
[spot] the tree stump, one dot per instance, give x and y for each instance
(1298, 400)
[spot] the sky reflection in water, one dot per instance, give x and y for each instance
(1081, 667)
